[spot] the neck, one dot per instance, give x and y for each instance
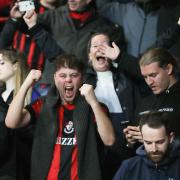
(48, 5)
(10, 84)
(173, 80)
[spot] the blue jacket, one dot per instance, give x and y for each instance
(141, 29)
(141, 168)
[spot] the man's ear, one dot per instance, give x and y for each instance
(171, 137)
(169, 68)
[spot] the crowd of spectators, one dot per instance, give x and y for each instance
(82, 83)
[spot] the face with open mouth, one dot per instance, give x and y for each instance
(68, 81)
(96, 55)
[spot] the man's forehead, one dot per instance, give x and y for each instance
(150, 68)
(67, 70)
(153, 133)
(153, 64)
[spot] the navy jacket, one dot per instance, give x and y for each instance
(141, 168)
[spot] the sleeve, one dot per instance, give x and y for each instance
(7, 34)
(169, 38)
(129, 64)
(113, 11)
(45, 42)
(34, 109)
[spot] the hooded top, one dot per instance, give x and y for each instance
(141, 168)
(167, 101)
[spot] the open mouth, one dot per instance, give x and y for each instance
(100, 58)
(69, 91)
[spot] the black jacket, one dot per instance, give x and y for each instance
(167, 101)
(126, 90)
(7, 145)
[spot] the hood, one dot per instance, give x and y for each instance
(174, 153)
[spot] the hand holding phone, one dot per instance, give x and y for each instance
(124, 124)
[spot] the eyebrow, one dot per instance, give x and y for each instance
(156, 140)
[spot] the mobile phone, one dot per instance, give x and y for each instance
(124, 124)
(26, 5)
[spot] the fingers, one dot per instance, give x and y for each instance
(30, 18)
(35, 75)
(87, 91)
(85, 88)
(132, 134)
(29, 14)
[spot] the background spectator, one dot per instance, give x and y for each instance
(15, 149)
(159, 151)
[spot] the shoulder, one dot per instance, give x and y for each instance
(128, 166)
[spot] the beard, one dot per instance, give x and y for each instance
(156, 157)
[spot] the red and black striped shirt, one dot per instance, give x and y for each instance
(64, 164)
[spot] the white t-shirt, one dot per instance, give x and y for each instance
(105, 92)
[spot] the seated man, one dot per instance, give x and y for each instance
(69, 124)
(159, 156)
(160, 71)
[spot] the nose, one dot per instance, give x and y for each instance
(149, 81)
(154, 147)
(68, 79)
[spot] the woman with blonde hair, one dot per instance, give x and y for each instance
(13, 71)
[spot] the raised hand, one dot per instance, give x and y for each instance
(87, 91)
(15, 13)
(33, 76)
(30, 18)
(132, 134)
(109, 52)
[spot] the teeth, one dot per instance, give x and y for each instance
(69, 88)
(100, 57)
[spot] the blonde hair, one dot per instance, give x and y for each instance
(15, 57)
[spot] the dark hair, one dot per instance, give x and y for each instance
(114, 33)
(159, 55)
(69, 61)
(156, 119)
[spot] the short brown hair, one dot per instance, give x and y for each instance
(156, 119)
(69, 61)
